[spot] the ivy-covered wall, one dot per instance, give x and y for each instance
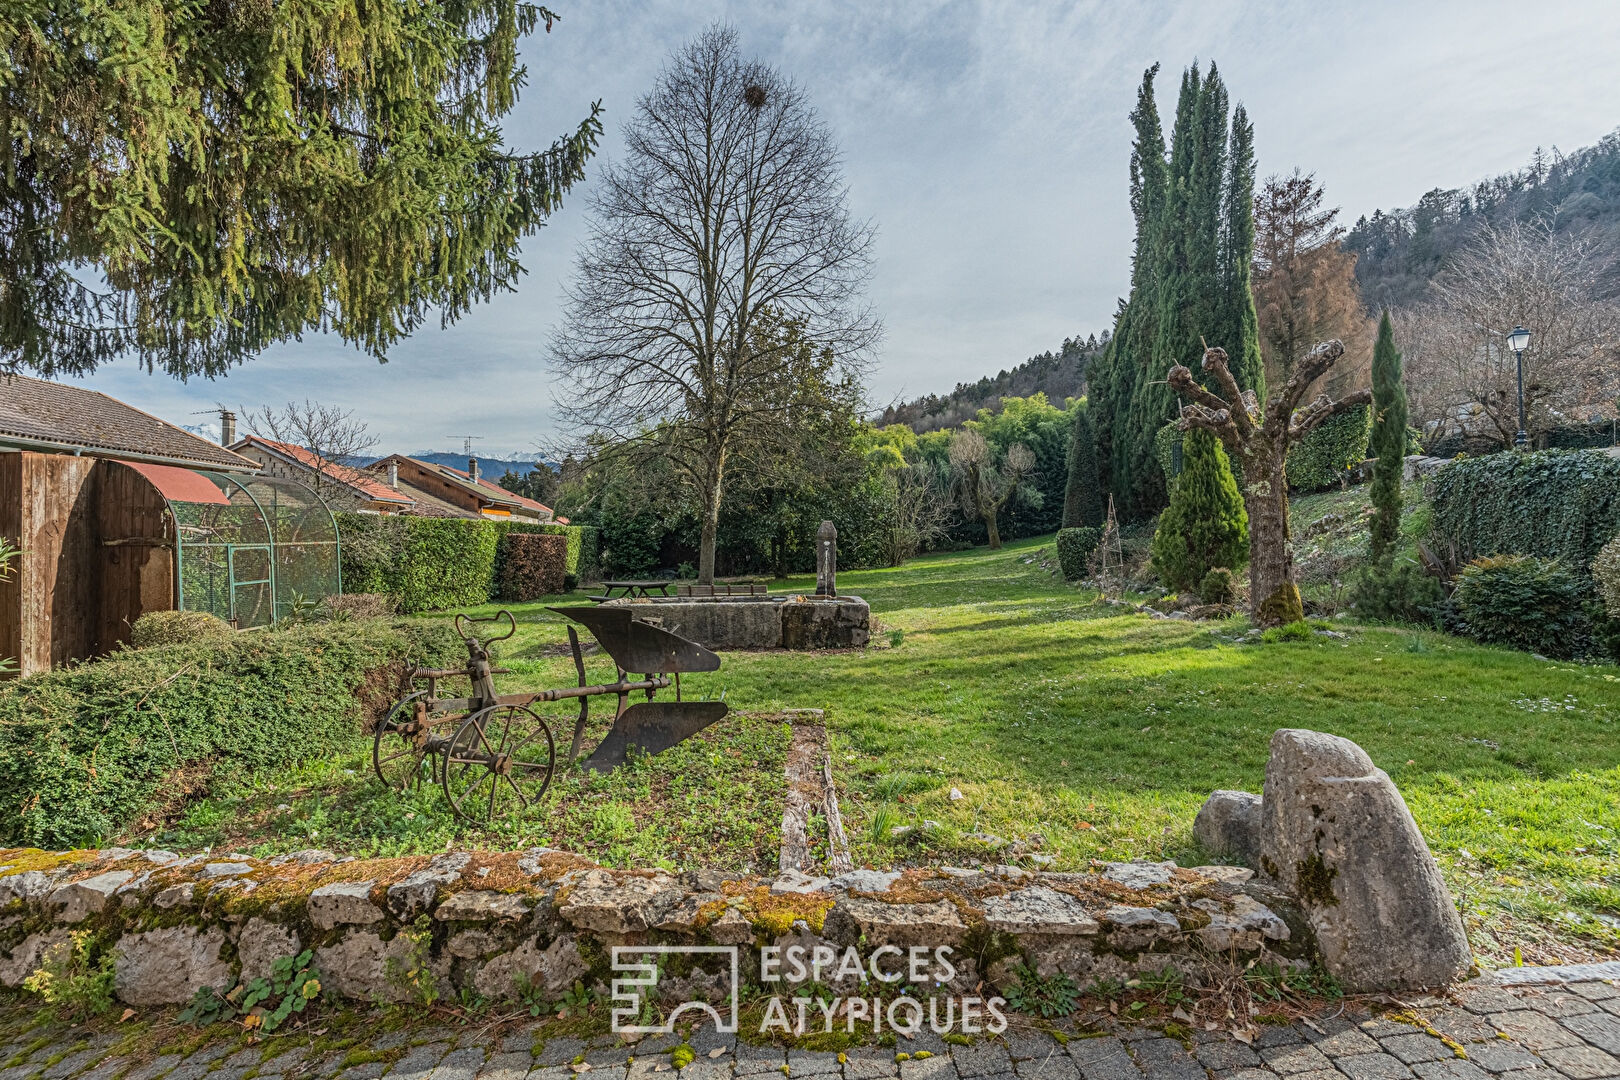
(1558, 504)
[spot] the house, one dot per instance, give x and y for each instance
(341, 486)
(118, 513)
(443, 491)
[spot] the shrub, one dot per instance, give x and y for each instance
(1321, 458)
(1388, 443)
(1082, 493)
(1606, 576)
(178, 628)
(1218, 587)
(1554, 504)
(1400, 592)
(1298, 630)
(1074, 547)
(358, 606)
(425, 564)
(1522, 601)
(91, 748)
(583, 561)
(533, 565)
(1205, 524)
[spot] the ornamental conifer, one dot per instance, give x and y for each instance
(1205, 525)
(1388, 443)
(1082, 496)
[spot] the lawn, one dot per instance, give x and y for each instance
(1068, 727)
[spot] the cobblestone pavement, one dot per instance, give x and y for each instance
(1564, 1032)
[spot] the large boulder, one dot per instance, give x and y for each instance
(1229, 824)
(1335, 833)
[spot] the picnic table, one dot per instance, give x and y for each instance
(633, 589)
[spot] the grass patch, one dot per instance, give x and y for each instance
(1067, 725)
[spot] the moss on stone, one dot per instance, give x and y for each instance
(1313, 881)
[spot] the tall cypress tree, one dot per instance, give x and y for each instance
(1388, 442)
(1113, 382)
(1082, 498)
(1238, 324)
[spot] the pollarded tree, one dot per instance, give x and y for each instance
(192, 182)
(1388, 442)
(718, 299)
(1205, 525)
(986, 485)
(1260, 439)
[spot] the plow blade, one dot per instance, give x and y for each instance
(652, 727)
(636, 646)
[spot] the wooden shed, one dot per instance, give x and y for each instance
(88, 487)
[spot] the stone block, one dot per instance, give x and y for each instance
(1336, 834)
(417, 892)
(1038, 910)
(812, 623)
(602, 901)
(902, 925)
(78, 900)
(343, 903)
(482, 906)
(27, 886)
(554, 967)
(168, 966)
(1229, 824)
(261, 944)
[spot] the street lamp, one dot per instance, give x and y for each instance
(1518, 340)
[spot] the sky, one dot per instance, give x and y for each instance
(988, 143)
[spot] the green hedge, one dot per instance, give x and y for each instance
(428, 564)
(1074, 547)
(1321, 458)
(532, 566)
(1554, 504)
(584, 558)
(89, 749)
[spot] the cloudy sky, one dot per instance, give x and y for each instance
(988, 143)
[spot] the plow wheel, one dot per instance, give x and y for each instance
(398, 754)
(500, 759)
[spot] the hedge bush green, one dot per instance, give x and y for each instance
(532, 566)
(1555, 504)
(89, 749)
(1606, 576)
(1528, 603)
(1396, 592)
(1218, 587)
(1074, 547)
(178, 628)
(428, 564)
(1321, 458)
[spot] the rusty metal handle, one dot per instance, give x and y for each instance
(466, 635)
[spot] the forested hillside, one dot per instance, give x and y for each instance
(1058, 375)
(1399, 252)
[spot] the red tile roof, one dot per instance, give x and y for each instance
(363, 482)
(496, 489)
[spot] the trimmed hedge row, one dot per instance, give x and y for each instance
(428, 564)
(1074, 548)
(89, 749)
(1556, 504)
(533, 566)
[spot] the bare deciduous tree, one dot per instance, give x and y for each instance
(1459, 370)
(987, 486)
(1260, 440)
(718, 298)
(333, 435)
(921, 512)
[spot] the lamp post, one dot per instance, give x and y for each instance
(1518, 340)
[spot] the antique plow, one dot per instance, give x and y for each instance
(488, 751)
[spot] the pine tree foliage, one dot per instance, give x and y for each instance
(1190, 277)
(1205, 526)
(1082, 495)
(1388, 443)
(191, 182)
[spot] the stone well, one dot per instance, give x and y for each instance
(759, 622)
